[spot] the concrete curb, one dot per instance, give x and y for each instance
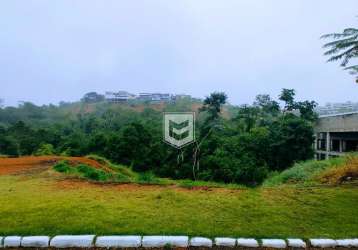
(247, 242)
(323, 243)
(225, 242)
(136, 241)
(201, 242)
(12, 241)
(65, 241)
(35, 241)
(161, 241)
(118, 241)
(274, 243)
(297, 243)
(347, 243)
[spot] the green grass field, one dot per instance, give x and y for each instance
(48, 204)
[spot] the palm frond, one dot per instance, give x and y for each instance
(353, 70)
(344, 47)
(350, 31)
(342, 42)
(348, 54)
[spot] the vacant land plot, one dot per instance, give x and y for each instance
(45, 202)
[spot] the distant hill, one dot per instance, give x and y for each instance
(32, 113)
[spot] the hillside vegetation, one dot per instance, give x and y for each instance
(334, 171)
(236, 145)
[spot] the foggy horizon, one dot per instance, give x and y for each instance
(58, 51)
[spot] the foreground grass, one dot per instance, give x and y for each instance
(47, 204)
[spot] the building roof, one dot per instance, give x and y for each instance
(345, 122)
(340, 114)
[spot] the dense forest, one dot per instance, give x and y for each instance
(239, 144)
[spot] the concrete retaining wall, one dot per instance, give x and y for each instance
(116, 241)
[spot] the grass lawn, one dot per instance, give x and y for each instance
(48, 204)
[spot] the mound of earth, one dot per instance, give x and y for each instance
(30, 163)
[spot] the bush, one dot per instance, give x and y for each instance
(147, 177)
(83, 170)
(45, 149)
(92, 173)
(62, 167)
(123, 173)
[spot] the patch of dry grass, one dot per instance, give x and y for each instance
(348, 171)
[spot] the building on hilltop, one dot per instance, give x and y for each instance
(336, 134)
(124, 96)
(154, 97)
(337, 108)
(118, 97)
(181, 96)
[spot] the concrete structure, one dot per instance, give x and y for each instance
(336, 135)
(154, 97)
(124, 96)
(337, 108)
(118, 97)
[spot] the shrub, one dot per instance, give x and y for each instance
(62, 167)
(45, 149)
(92, 173)
(147, 177)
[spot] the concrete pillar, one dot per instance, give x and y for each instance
(315, 146)
(328, 144)
(340, 145)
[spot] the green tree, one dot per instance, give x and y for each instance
(247, 116)
(306, 109)
(45, 149)
(24, 137)
(288, 97)
(291, 141)
(344, 47)
(266, 104)
(132, 147)
(212, 106)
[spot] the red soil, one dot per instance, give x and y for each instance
(28, 163)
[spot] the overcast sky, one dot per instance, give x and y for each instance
(58, 50)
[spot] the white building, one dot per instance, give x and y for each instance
(154, 97)
(120, 96)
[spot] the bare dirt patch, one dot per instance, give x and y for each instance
(37, 163)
